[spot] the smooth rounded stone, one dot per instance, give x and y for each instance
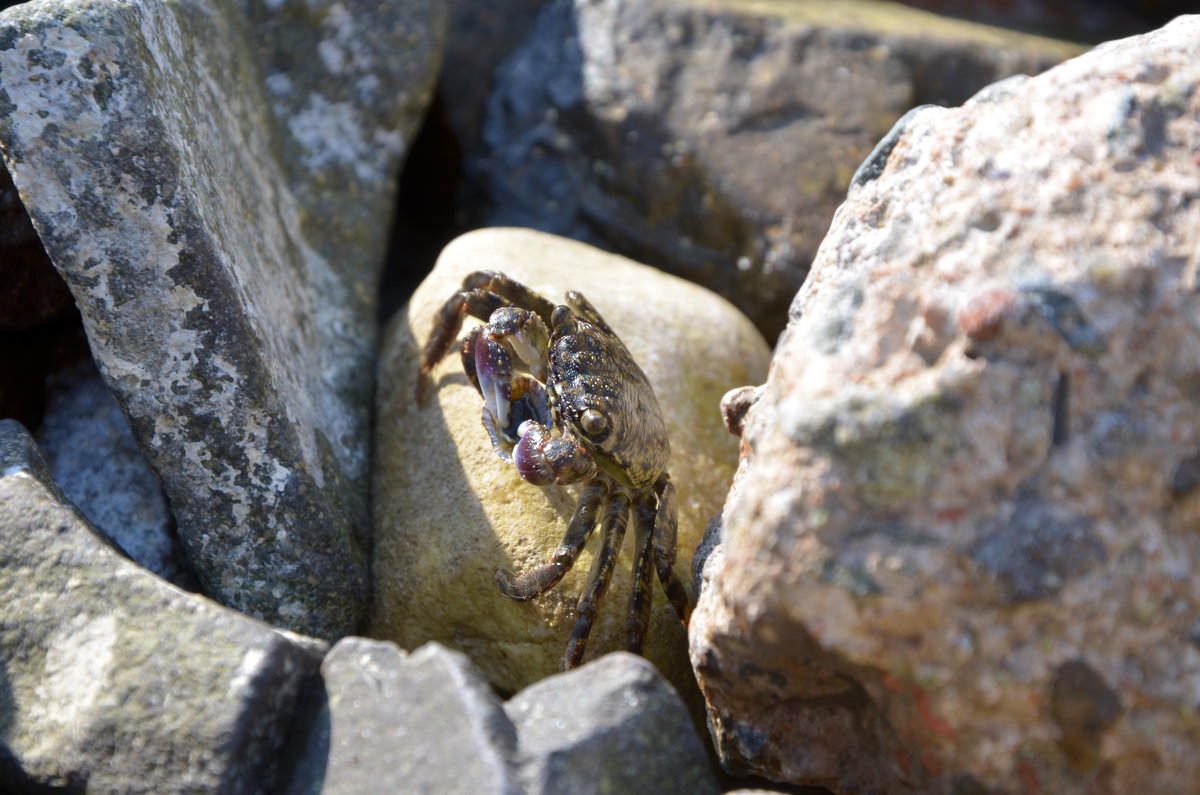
(399, 722)
(716, 139)
(92, 456)
(963, 552)
(225, 262)
(449, 513)
(614, 725)
(115, 680)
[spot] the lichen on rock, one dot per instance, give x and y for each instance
(225, 278)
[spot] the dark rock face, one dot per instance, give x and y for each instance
(426, 721)
(613, 726)
(716, 140)
(960, 554)
(399, 722)
(483, 35)
(214, 183)
(31, 291)
(115, 681)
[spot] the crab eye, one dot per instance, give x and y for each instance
(593, 422)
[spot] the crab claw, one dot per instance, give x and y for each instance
(542, 459)
(493, 368)
(525, 336)
(528, 404)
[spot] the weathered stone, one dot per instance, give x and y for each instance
(716, 139)
(400, 722)
(116, 681)
(962, 556)
(481, 36)
(214, 181)
(93, 458)
(614, 725)
(449, 513)
(31, 291)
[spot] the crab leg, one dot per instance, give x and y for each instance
(482, 293)
(537, 581)
(616, 517)
(511, 290)
(446, 325)
(638, 621)
(666, 526)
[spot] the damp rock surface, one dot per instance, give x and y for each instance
(962, 553)
(214, 182)
(716, 139)
(449, 512)
(114, 680)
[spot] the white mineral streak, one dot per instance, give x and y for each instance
(250, 667)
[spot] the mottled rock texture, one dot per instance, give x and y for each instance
(112, 679)
(963, 555)
(31, 291)
(449, 513)
(399, 722)
(715, 139)
(214, 181)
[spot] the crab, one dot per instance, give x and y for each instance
(565, 403)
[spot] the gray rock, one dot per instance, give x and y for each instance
(112, 680)
(214, 182)
(399, 722)
(482, 35)
(614, 725)
(31, 291)
(962, 553)
(716, 139)
(93, 458)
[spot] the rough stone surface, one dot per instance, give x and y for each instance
(399, 722)
(963, 554)
(214, 182)
(112, 680)
(31, 291)
(449, 512)
(92, 456)
(715, 139)
(481, 36)
(612, 726)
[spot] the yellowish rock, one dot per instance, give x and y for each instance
(448, 512)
